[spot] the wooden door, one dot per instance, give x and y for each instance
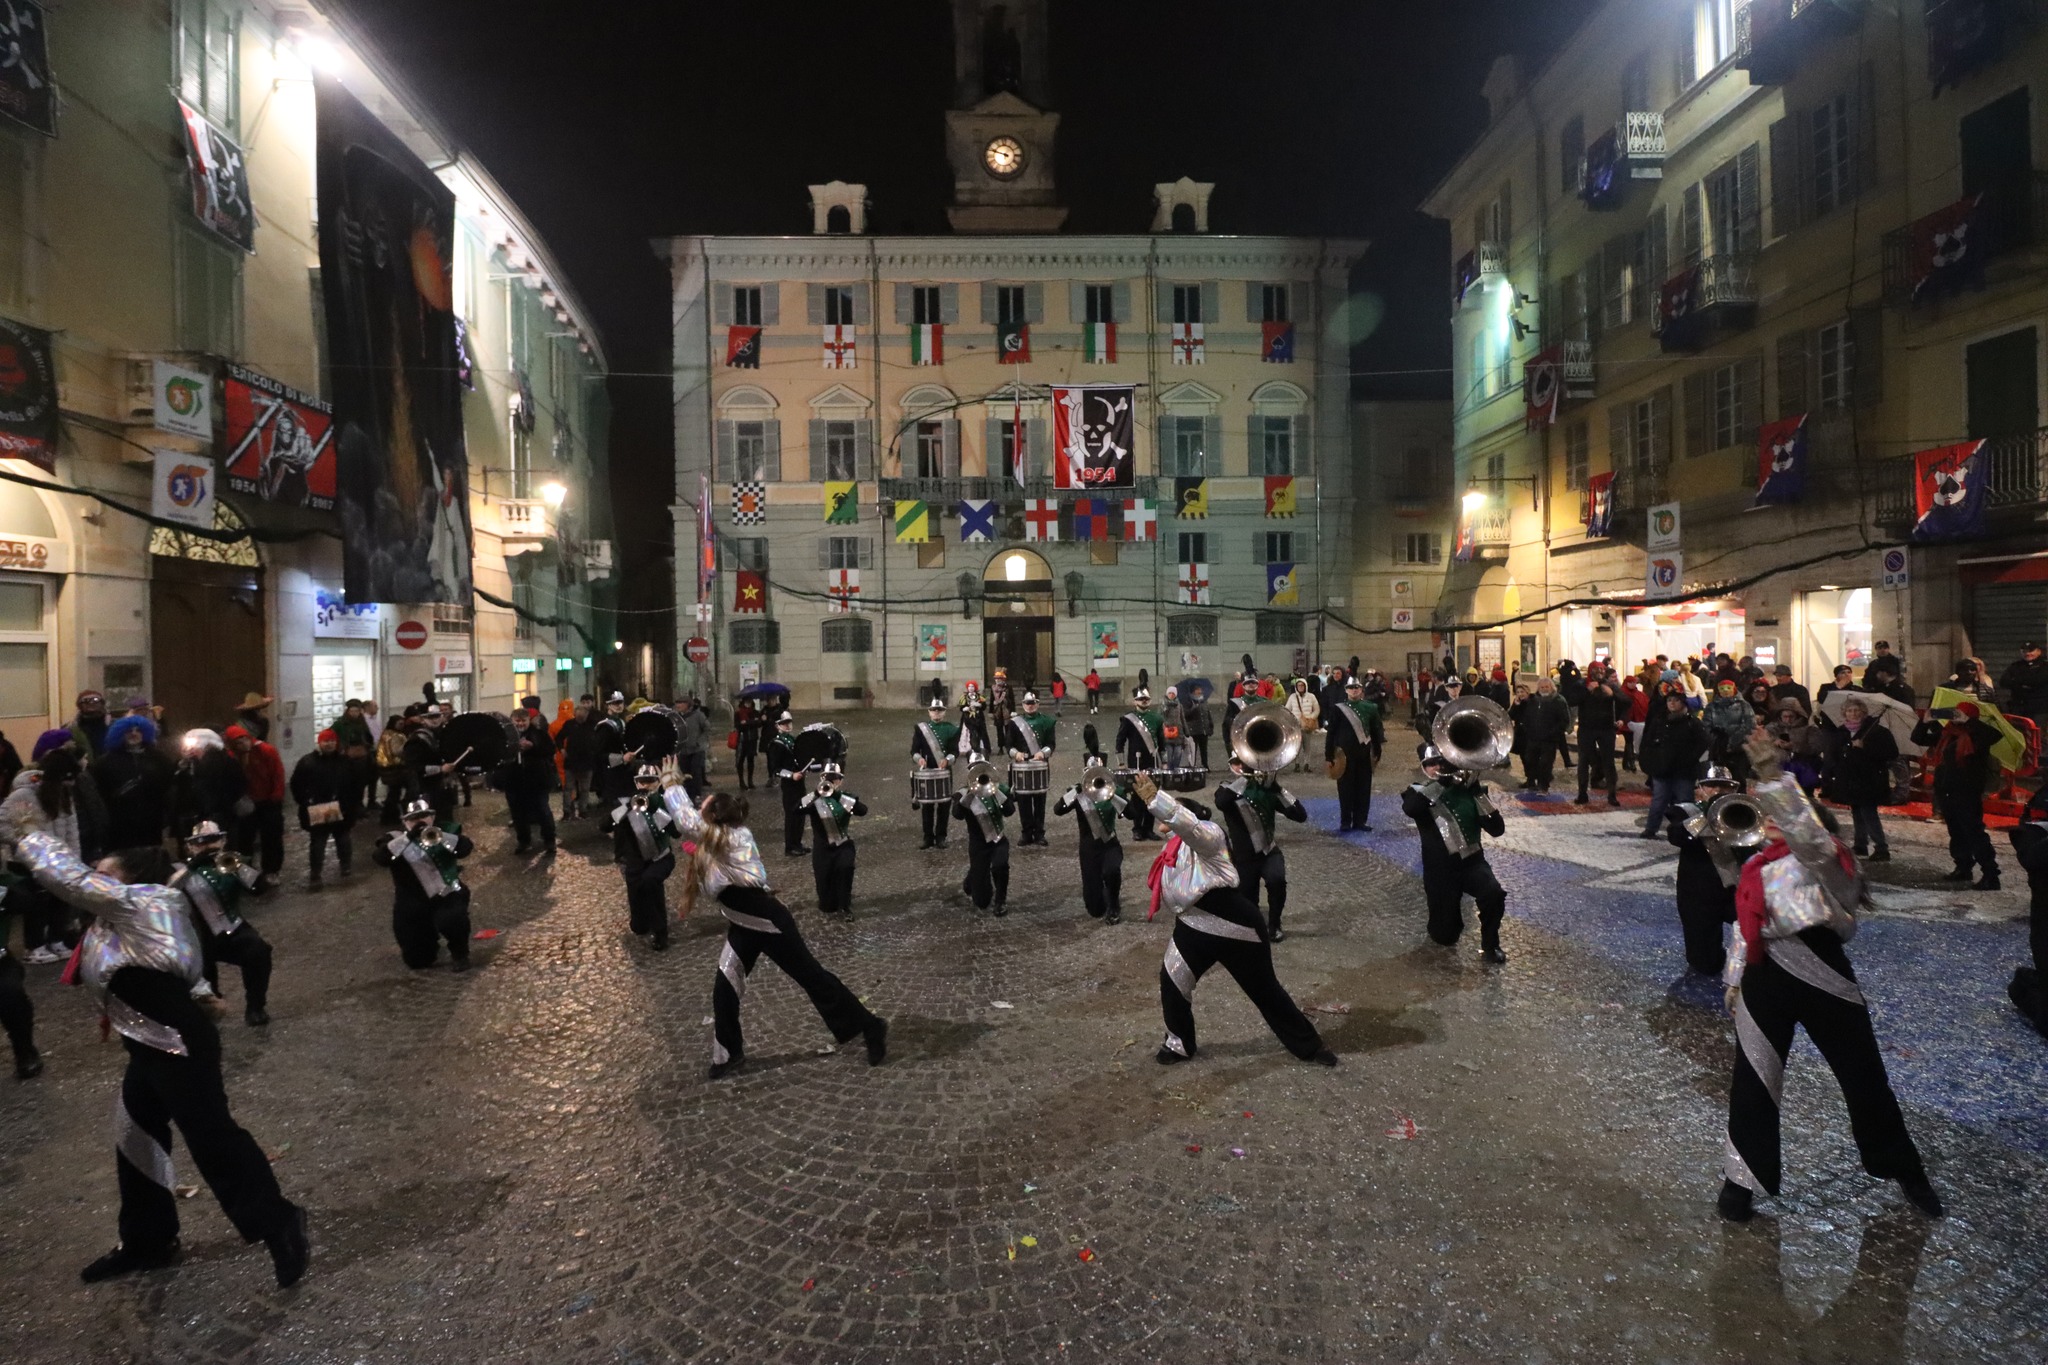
(206, 641)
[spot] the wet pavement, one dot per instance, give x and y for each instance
(527, 1163)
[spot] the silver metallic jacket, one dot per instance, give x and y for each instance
(1807, 889)
(741, 863)
(1203, 863)
(133, 926)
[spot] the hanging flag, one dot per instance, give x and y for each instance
(1599, 182)
(749, 502)
(1187, 343)
(842, 347)
(842, 586)
(1191, 498)
(1542, 387)
(1280, 495)
(913, 523)
(1948, 249)
(220, 179)
(1141, 519)
(928, 343)
(1041, 519)
(1682, 326)
(1781, 461)
(1013, 343)
(1949, 488)
(1092, 441)
(707, 544)
(279, 441)
(1600, 506)
(1194, 585)
(743, 348)
(1020, 438)
(750, 591)
(1276, 345)
(1281, 589)
(1098, 343)
(1665, 576)
(977, 519)
(1091, 519)
(25, 90)
(842, 502)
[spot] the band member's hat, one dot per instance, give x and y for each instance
(1093, 761)
(1142, 694)
(935, 704)
(420, 809)
(833, 770)
(1354, 684)
(785, 719)
(205, 832)
(618, 697)
(648, 773)
(1031, 697)
(1433, 758)
(1718, 776)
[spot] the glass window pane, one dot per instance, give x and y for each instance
(21, 605)
(24, 681)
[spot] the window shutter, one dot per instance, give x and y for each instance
(1794, 364)
(1617, 437)
(1749, 399)
(1688, 67)
(771, 304)
(1077, 301)
(1864, 112)
(824, 552)
(1212, 445)
(1034, 302)
(1698, 423)
(1298, 455)
(1866, 338)
(1657, 257)
(903, 305)
(727, 452)
(814, 304)
(992, 448)
(867, 552)
(1259, 548)
(1660, 428)
(862, 314)
(1255, 446)
(818, 466)
(1748, 202)
(1505, 226)
(721, 305)
(1162, 299)
(1689, 223)
(771, 440)
(1785, 177)
(1254, 302)
(1212, 304)
(863, 451)
(1120, 300)
(949, 458)
(1165, 462)
(1589, 296)
(949, 303)
(988, 302)
(1036, 443)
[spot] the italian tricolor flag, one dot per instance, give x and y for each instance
(928, 344)
(1098, 343)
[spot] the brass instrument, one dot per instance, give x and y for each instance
(229, 862)
(980, 771)
(1473, 733)
(432, 838)
(1735, 820)
(1266, 737)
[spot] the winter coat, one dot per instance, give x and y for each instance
(263, 770)
(1730, 718)
(1545, 721)
(207, 787)
(2027, 685)
(1600, 710)
(1781, 691)
(532, 769)
(1673, 746)
(134, 785)
(1856, 768)
(320, 778)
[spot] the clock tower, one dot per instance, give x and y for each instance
(998, 135)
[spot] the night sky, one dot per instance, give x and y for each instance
(614, 123)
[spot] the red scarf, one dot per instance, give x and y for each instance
(1957, 744)
(1751, 912)
(1156, 878)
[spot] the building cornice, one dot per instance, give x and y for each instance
(984, 255)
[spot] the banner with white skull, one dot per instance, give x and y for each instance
(220, 180)
(1093, 426)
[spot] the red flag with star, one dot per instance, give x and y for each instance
(750, 591)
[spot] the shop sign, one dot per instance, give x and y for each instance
(29, 552)
(453, 665)
(1898, 576)
(564, 665)
(524, 666)
(182, 488)
(1665, 575)
(589, 662)
(337, 618)
(1404, 618)
(183, 400)
(1663, 527)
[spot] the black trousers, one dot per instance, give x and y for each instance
(1539, 762)
(1190, 953)
(1268, 870)
(440, 793)
(832, 870)
(1141, 819)
(841, 1010)
(1702, 909)
(1031, 816)
(647, 902)
(1102, 878)
(530, 809)
(792, 816)
(243, 948)
(1596, 761)
(161, 1089)
(1445, 884)
(1968, 841)
(344, 846)
(988, 872)
(17, 1012)
(1773, 1002)
(744, 763)
(1354, 790)
(935, 819)
(397, 782)
(263, 826)
(420, 926)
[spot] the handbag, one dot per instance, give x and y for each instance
(732, 739)
(324, 813)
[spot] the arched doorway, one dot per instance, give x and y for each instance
(1016, 635)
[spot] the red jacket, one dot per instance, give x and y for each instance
(262, 767)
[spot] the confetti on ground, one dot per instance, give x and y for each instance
(1248, 1113)
(1237, 1152)
(1334, 1007)
(1404, 1129)
(1028, 1241)
(1030, 1188)
(1013, 1251)
(186, 1191)
(1085, 1254)
(1001, 1004)
(1194, 1148)
(810, 1284)
(483, 934)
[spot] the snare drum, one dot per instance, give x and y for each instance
(1030, 778)
(1183, 779)
(931, 786)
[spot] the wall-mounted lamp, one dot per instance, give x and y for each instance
(1076, 582)
(553, 493)
(969, 588)
(1475, 498)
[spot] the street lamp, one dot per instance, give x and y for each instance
(553, 492)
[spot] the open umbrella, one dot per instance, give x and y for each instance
(1194, 691)
(763, 689)
(2011, 748)
(1893, 714)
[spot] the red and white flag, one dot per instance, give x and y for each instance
(1141, 519)
(1041, 519)
(1187, 343)
(843, 587)
(1194, 585)
(842, 346)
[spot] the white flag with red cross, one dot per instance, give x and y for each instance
(843, 587)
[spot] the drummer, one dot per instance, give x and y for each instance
(1031, 738)
(1137, 740)
(933, 743)
(614, 776)
(789, 775)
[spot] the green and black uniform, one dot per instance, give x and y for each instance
(936, 742)
(1451, 818)
(1250, 809)
(1029, 734)
(1102, 853)
(832, 850)
(215, 895)
(1354, 730)
(789, 778)
(1137, 740)
(988, 850)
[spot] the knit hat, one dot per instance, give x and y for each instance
(48, 742)
(324, 736)
(233, 733)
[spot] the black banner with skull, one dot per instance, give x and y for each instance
(26, 94)
(1092, 436)
(220, 180)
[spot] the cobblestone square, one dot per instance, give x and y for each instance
(527, 1163)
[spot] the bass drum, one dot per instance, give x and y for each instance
(488, 736)
(818, 744)
(657, 732)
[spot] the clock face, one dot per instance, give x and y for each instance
(1004, 158)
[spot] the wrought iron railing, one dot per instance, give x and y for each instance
(1726, 282)
(1642, 142)
(2017, 476)
(1578, 369)
(2006, 221)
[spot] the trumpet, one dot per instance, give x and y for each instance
(1266, 737)
(1473, 733)
(432, 838)
(229, 862)
(1099, 784)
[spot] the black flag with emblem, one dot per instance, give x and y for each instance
(1092, 443)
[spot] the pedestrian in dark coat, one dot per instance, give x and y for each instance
(528, 777)
(1856, 771)
(208, 784)
(1546, 724)
(2026, 684)
(1601, 712)
(1962, 769)
(134, 779)
(2030, 847)
(1674, 742)
(327, 786)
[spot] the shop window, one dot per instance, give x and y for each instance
(24, 652)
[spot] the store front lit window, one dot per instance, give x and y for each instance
(1834, 628)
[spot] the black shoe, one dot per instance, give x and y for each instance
(459, 964)
(1920, 1194)
(547, 855)
(877, 1037)
(1735, 1202)
(720, 1070)
(523, 849)
(1279, 935)
(1578, 800)
(123, 1261)
(1613, 800)
(1362, 827)
(1881, 854)
(1324, 1057)
(925, 845)
(29, 1067)
(1494, 956)
(940, 844)
(256, 1016)
(1961, 874)
(1001, 908)
(1113, 917)
(290, 1249)
(1989, 882)
(1166, 1056)
(1861, 850)
(660, 944)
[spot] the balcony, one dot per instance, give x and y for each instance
(1706, 301)
(1951, 248)
(1578, 369)
(1478, 269)
(1766, 45)
(523, 524)
(1642, 142)
(1964, 36)
(2019, 478)
(944, 494)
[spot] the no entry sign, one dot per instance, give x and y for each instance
(697, 649)
(410, 635)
